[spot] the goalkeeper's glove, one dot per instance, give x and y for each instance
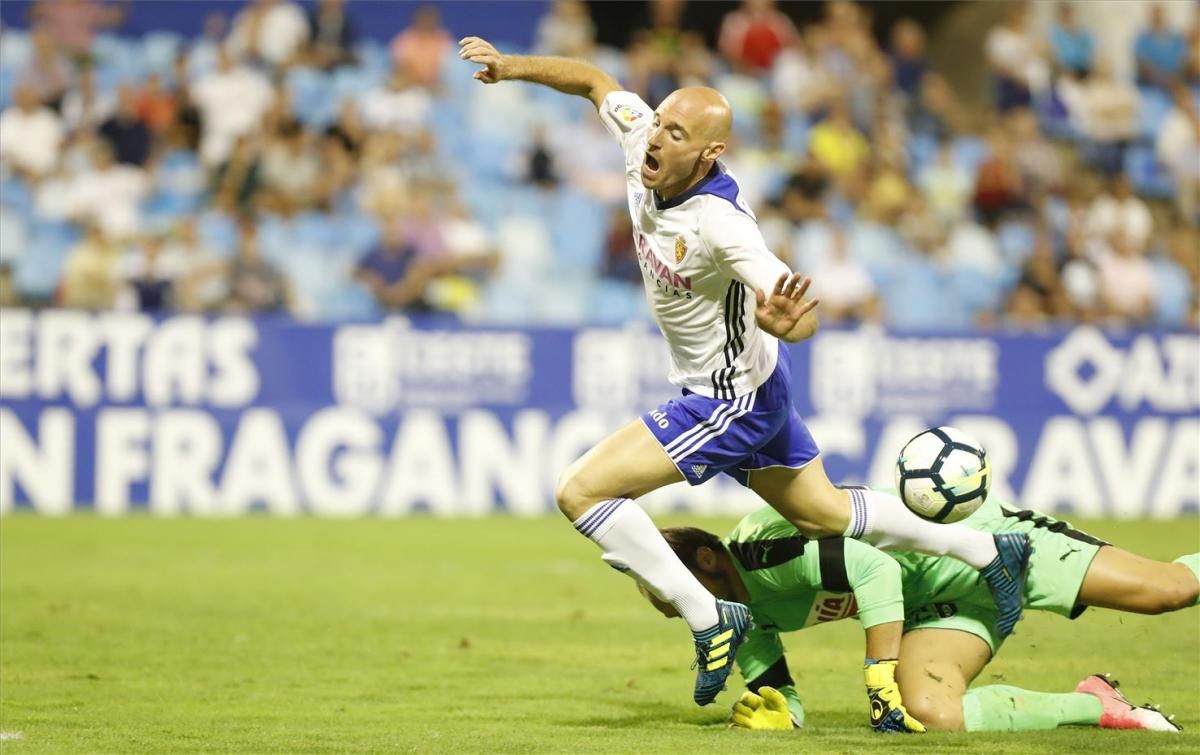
(770, 709)
(887, 709)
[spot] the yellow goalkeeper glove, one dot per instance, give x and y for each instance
(887, 709)
(766, 711)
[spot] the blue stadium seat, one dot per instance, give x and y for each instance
(357, 233)
(202, 59)
(615, 302)
(348, 301)
(919, 298)
(351, 82)
(373, 56)
(14, 234)
(37, 272)
(8, 84)
(1147, 175)
(276, 239)
(313, 99)
(796, 133)
(970, 152)
(1153, 107)
(922, 149)
(218, 231)
(577, 231)
(1174, 292)
(162, 209)
(317, 230)
(880, 249)
(975, 290)
(1016, 240)
(158, 52)
(16, 49)
(15, 193)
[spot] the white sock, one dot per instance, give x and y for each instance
(885, 522)
(631, 540)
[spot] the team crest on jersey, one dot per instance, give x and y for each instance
(680, 249)
(628, 113)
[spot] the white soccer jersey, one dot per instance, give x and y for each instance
(702, 257)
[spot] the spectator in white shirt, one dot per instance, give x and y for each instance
(231, 101)
(1120, 213)
(1127, 285)
(30, 135)
(274, 31)
(947, 185)
(84, 108)
(1104, 109)
(566, 30)
(1178, 150)
(1018, 60)
(108, 195)
(401, 106)
(843, 284)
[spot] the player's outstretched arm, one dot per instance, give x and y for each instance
(567, 75)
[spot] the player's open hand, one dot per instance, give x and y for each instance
(481, 51)
(768, 711)
(784, 314)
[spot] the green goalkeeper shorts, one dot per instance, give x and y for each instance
(1060, 561)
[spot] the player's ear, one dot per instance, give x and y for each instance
(706, 559)
(713, 150)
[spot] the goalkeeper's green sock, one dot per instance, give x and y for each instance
(1002, 708)
(1192, 562)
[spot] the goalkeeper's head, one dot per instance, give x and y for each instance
(705, 556)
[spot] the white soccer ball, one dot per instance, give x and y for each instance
(943, 475)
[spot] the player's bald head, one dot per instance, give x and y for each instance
(703, 111)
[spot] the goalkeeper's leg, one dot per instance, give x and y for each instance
(1125, 581)
(937, 666)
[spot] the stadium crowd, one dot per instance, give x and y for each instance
(278, 161)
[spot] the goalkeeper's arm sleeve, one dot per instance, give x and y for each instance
(776, 675)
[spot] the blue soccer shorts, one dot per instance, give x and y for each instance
(707, 436)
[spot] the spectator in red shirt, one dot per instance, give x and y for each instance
(752, 36)
(73, 23)
(421, 47)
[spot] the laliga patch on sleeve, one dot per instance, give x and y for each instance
(628, 113)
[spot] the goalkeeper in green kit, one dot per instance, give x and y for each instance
(929, 622)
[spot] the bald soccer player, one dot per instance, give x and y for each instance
(724, 302)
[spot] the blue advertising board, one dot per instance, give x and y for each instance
(118, 412)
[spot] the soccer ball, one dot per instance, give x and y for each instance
(943, 475)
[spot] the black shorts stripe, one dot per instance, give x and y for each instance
(832, 553)
(721, 387)
(1059, 528)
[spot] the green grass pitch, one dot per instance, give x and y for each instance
(486, 635)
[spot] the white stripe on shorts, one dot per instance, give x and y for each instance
(714, 420)
(742, 406)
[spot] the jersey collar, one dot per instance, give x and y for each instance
(706, 186)
(716, 182)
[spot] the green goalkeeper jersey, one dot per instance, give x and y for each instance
(795, 582)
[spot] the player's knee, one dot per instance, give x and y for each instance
(571, 493)
(1173, 594)
(937, 712)
(823, 515)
